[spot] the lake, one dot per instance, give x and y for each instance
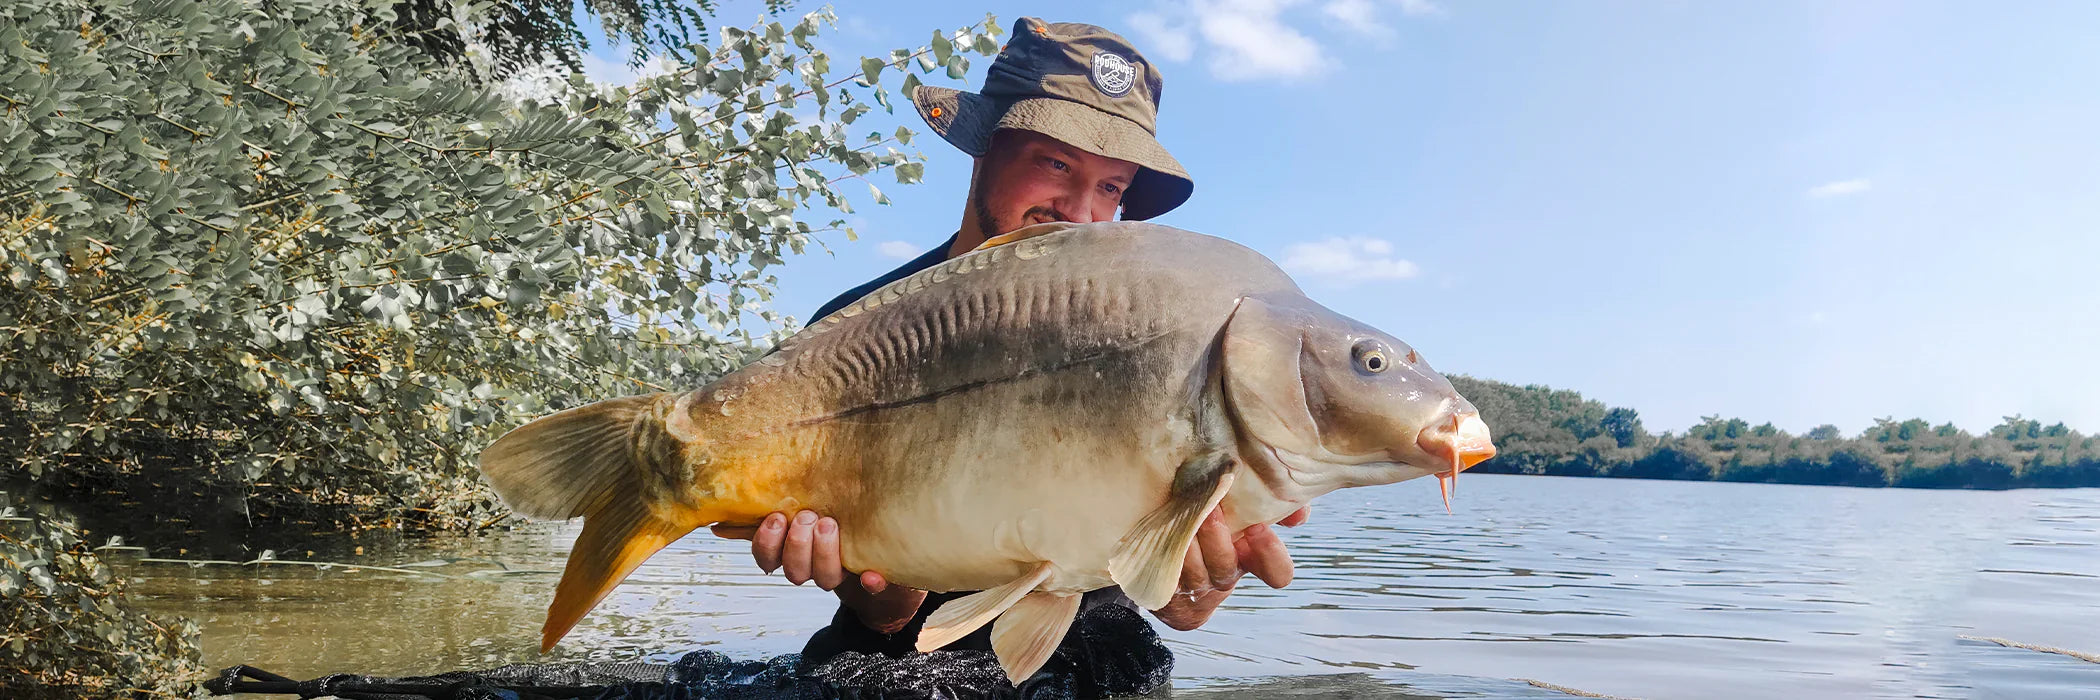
(1645, 589)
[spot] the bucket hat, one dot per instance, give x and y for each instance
(1077, 83)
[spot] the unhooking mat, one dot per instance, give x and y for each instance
(1110, 650)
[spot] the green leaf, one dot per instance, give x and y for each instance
(941, 46)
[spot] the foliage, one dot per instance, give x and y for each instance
(1546, 431)
(266, 248)
(514, 34)
(66, 628)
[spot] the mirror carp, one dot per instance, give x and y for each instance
(1052, 413)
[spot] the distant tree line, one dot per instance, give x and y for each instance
(1541, 430)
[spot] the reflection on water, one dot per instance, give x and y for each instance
(1628, 588)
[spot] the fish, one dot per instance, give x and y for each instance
(1054, 412)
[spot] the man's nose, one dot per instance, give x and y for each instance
(1082, 205)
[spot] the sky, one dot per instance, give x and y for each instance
(1795, 212)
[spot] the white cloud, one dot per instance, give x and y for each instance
(1246, 39)
(898, 249)
(1348, 260)
(602, 71)
(1840, 188)
(1256, 39)
(1420, 8)
(615, 71)
(1173, 42)
(1352, 11)
(1251, 42)
(1358, 16)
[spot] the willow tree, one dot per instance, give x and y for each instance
(270, 248)
(70, 629)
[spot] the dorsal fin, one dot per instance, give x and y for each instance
(1024, 233)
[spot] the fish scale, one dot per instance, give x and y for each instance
(1052, 413)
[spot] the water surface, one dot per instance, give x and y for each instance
(1631, 588)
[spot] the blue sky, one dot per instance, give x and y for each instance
(1801, 212)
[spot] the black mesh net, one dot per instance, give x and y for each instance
(1110, 650)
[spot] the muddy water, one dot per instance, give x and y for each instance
(1628, 588)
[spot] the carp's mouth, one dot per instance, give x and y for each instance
(1456, 444)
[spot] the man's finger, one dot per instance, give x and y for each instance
(801, 536)
(824, 556)
(1194, 577)
(1260, 552)
(1187, 613)
(765, 546)
(1296, 518)
(886, 613)
(1219, 558)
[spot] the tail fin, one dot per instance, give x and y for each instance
(613, 543)
(590, 461)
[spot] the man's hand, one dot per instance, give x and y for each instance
(1215, 562)
(880, 606)
(807, 547)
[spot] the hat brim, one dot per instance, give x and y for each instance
(967, 121)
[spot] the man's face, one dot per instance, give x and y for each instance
(1028, 178)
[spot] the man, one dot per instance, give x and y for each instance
(1062, 132)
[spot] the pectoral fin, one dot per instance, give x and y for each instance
(958, 618)
(1028, 633)
(1148, 561)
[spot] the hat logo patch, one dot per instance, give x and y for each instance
(1112, 75)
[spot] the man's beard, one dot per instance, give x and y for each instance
(988, 225)
(985, 223)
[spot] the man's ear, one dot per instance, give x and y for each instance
(976, 173)
(969, 221)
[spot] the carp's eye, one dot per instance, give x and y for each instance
(1372, 358)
